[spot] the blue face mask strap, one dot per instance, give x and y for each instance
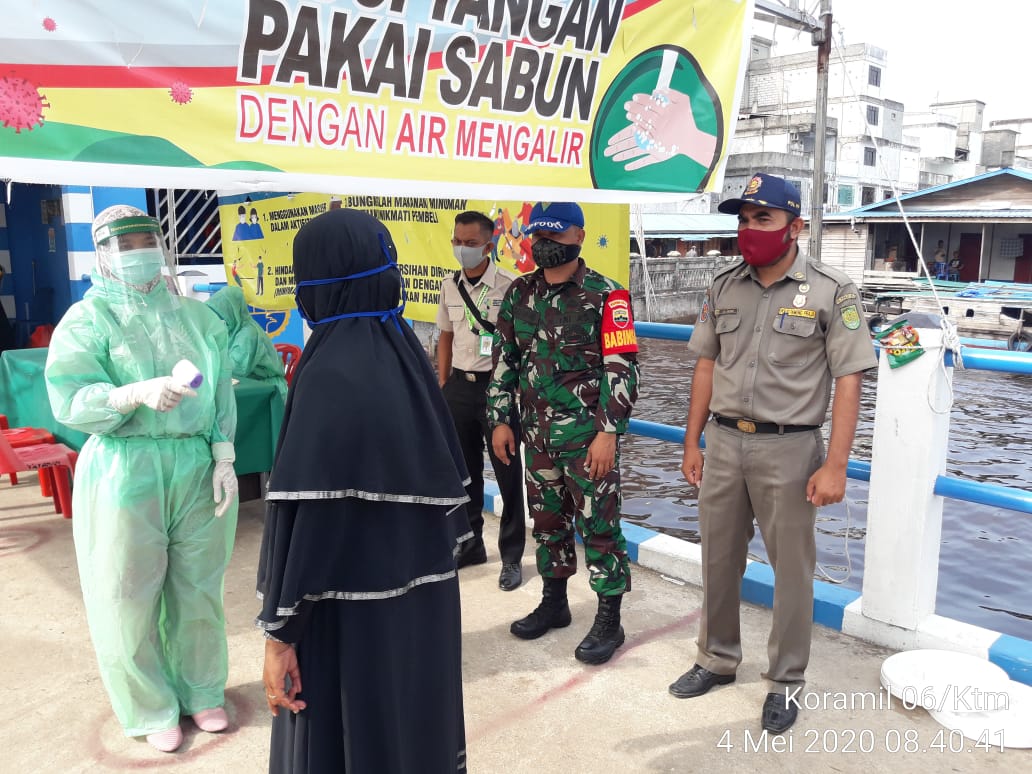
(394, 314)
(358, 275)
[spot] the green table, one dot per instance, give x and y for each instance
(23, 398)
(259, 416)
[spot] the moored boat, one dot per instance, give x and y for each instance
(995, 311)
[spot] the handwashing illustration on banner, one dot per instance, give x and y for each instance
(476, 98)
(422, 230)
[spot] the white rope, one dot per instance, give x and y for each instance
(845, 544)
(648, 289)
(950, 337)
(951, 340)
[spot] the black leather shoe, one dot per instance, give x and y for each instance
(510, 577)
(471, 552)
(778, 713)
(697, 681)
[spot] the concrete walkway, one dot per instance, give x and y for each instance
(530, 707)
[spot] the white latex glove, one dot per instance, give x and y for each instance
(224, 483)
(161, 394)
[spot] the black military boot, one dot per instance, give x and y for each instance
(606, 634)
(552, 613)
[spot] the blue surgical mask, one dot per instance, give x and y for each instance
(137, 267)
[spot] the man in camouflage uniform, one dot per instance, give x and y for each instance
(566, 344)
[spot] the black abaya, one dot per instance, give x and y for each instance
(364, 514)
(380, 681)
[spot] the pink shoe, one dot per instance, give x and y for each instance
(211, 720)
(167, 740)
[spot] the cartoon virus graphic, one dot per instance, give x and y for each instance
(603, 241)
(49, 24)
(180, 93)
(21, 104)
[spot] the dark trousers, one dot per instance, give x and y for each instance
(468, 404)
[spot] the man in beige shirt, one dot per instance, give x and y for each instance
(773, 335)
(466, 318)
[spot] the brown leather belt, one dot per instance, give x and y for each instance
(749, 426)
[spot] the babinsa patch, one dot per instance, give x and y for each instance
(617, 324)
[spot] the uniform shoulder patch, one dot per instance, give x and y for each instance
(618, 324)
(850, 316)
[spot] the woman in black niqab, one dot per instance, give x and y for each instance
(360, 598)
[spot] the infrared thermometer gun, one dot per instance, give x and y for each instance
(187, 374)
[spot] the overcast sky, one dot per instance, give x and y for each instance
(939, 50)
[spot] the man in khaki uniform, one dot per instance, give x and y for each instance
(772, 336)
(466, 317)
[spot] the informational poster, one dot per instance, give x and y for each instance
(258, 234)
(509, 98)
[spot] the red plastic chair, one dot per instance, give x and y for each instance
(41, 336)
(54, 462)
(27, 436)
(290, 353)
(19, 437)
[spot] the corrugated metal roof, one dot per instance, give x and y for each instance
(692, 237)
(682, 225)
(926, 215)
(1009, 171)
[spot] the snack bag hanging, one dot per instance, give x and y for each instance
(901, 343)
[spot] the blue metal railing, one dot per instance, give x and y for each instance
(984, 343)
(993, 360)
(995, 495)
(998, 496)
(669, 331)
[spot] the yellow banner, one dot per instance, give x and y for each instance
(509, 98)
(258, 234)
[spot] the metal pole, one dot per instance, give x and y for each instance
(822, 39)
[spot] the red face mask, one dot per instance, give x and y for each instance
(762, 248)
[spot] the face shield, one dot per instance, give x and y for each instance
(132, 258)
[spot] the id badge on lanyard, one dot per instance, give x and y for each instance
(486, 340)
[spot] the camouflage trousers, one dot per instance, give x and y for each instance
(561, 497)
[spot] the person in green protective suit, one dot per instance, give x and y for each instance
(155, 491)
(251, 352)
